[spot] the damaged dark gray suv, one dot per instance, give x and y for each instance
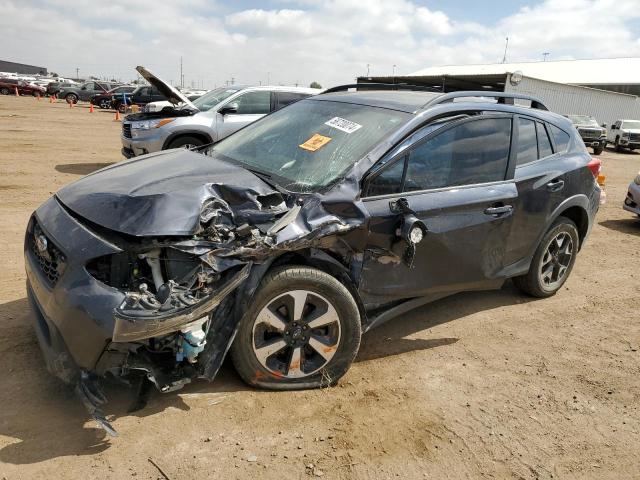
(286, 241)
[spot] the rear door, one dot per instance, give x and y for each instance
(541, 178)
(282, 99)
(251, 106)
(456, 181)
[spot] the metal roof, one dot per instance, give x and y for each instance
(602, 71)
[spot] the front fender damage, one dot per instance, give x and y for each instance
(184, 296)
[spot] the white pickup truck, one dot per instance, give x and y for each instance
(624, 134)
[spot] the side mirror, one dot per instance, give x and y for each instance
(230, 108)
(604, 125)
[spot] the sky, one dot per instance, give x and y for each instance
(299, 41)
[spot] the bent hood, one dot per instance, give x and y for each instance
(172, 93)
(169, 192)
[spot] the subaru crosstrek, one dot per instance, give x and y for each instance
(286, 241)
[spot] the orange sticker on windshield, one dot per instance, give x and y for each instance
(316, 142)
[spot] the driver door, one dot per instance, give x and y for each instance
(250, 106)
(456, 181)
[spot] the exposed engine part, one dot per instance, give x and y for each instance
(92, 398)
(192, 341)
(153, 259)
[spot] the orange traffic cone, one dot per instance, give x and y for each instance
(50, 98)
(117, 119)
(38, 97)
(17, 92)
(70, 104)
(91, 108)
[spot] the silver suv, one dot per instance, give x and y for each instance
(210, 118)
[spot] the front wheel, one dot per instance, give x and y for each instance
(71, 98)
(597, 150)
(186, 142)
(4, 91)
(553, 260)
(617, 145)
(105, 104)
(302, 330)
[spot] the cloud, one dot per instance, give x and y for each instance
(330, 41)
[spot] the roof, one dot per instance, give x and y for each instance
(602, 71)
(404, 101)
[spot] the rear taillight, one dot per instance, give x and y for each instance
(595, 165)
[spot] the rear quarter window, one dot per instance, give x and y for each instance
(561, 138)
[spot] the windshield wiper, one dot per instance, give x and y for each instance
(265, 177)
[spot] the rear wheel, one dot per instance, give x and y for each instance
(186, 142)
(4, 91)
(104, 104)
(71, 98)
(302, 330)
(553, 261)
(597, 150)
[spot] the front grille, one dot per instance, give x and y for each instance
(50, 259)
(634, 137)
(590, 133)
(126, 130)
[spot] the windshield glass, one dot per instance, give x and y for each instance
(583, 120)
(210, 99)
(310, 143)
(631, 124)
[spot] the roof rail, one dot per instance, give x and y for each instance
(502, 97)
(380, 86)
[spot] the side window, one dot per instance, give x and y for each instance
(561, 137)
(527, 142)
(389, 181)
(254, 103)
(285, 98)
(88, 86)
(544, 144)
(473, 152)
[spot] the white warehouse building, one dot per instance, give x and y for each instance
(606, 89)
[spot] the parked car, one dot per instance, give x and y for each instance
(624, 134)
(593, 135)
(141, 96)
(632, 202)
(106, 99)
(288, 239)
(84, 92)
(54, 87)
(8, 86)
(210, 118)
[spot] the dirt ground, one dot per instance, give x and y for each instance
(493, 385)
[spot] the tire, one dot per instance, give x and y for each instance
(325, 300)
(5, 91)
(185, 142)
(71, 98)
(534, 282)
(104, 104)
(597, 150)
(617, 145)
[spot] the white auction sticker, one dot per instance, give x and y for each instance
(343, 124)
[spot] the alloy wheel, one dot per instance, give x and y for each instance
(556, 260)
(296, 334)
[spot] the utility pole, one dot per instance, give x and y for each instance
(394, 73)
(506, 46)
(233, 80)
(368, 67)
(181, 75)
(77, 73)
(544, 56)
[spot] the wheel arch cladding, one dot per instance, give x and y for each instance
(188, 133)
(580, 217)
(310, 257)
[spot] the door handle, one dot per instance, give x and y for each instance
(555, 185)
(497, 211)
